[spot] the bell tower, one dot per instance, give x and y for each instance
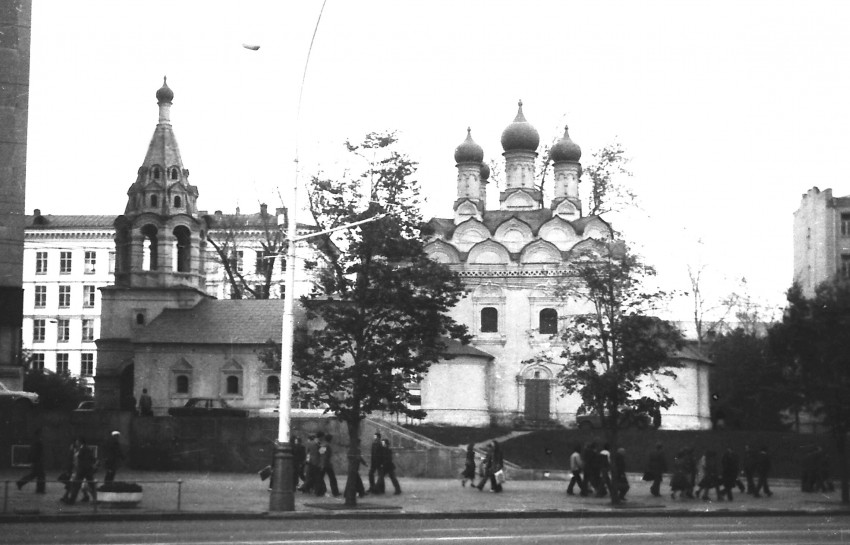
(160, 243)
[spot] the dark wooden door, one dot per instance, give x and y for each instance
(536, 399)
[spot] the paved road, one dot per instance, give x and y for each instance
(691, 530)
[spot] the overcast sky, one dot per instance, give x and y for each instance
(729, 110)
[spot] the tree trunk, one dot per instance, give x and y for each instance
(611, 436)
(353, 462)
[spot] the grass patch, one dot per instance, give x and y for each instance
(550, 449)
(459, 435)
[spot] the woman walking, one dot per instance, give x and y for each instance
(468, 473)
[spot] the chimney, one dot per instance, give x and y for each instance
(36, 212)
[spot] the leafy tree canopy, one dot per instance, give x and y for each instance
(56, 392)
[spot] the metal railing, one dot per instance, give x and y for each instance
(95, 503)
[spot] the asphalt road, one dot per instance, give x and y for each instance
(801, 530)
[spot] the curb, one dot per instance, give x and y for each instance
(371, 514)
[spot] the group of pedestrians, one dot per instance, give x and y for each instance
(491, 468)
(313, 463)
(694, 477)
(598, 472)
(80, 467)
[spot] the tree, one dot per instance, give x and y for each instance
(229, 233)
(746, 383)
(616, 351)
(56, 392)
(812, 345)
(382, 302)
(605, 172)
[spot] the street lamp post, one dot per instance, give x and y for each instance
(283, 488)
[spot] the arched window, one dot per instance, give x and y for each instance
(156, 173)
(177, 202)
(149, 254)
(174, 173)
(182, 248)
(273, 385)
(182, 384)
(140, 318)
(549, 321)
(489, 320)
(154, 200)
(232, 385)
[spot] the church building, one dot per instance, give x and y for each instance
(511, 259)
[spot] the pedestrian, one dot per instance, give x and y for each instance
(679, 480)
(314, 481)
(112, 456)
(604, 468)
(762, 471)
(690, 471)
(468, 473)
(387, 468)
(84, 465)
(590, 458)
(36, 465)
(750, 469)
(656, 468)
(620, 481)
(729, 472)
(326, 464)
(492, 463)
(145, 403)
(576, 466)
(708, 475)
(374, 457)
(299, 458)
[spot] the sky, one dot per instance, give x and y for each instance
(729, 110)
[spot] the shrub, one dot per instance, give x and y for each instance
(119, 486)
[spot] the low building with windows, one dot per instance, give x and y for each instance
(821, 239)
(511, 260)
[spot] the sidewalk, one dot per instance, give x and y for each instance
(231, 495)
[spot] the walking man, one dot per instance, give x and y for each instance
(762, 472)
(375, 457)
(36, 465)
(84, 467)
(576, 466)
(326, 462)
(657, 468)
(112, 456)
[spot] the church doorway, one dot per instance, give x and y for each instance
(536, 399)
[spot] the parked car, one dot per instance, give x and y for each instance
(207, 406)
(628, 419)
(85, 406)
(19, 397)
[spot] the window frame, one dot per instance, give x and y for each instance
(63, 330)
(40, 296)
(87, 367)
(64, 359)
(66, 262)
(90, 262)
(41, 263)
(64, 296)
(492, 322)
(87, 327)
(39, 330)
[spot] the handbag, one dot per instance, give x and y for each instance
(265, 473)
(500, 476)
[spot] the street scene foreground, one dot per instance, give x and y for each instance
(240, 495)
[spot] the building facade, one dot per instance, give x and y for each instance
(821, 239)
(511, 260)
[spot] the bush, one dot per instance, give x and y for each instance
(119, 486)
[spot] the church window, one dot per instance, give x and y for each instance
(174, 173)
(140, 318)
(156, 173)
(548, 321)
(181, 384)
(154, 200)
(273, 385)
(489, 320)
(177, 202)
(183, 248)
(232, 385)
(149, 255)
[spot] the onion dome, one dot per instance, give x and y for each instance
(469, 151)
(520, 135)
(565, 149)
(485, 172)
(164, 94)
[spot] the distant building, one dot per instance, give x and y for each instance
(510, 260)
(821, 239)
